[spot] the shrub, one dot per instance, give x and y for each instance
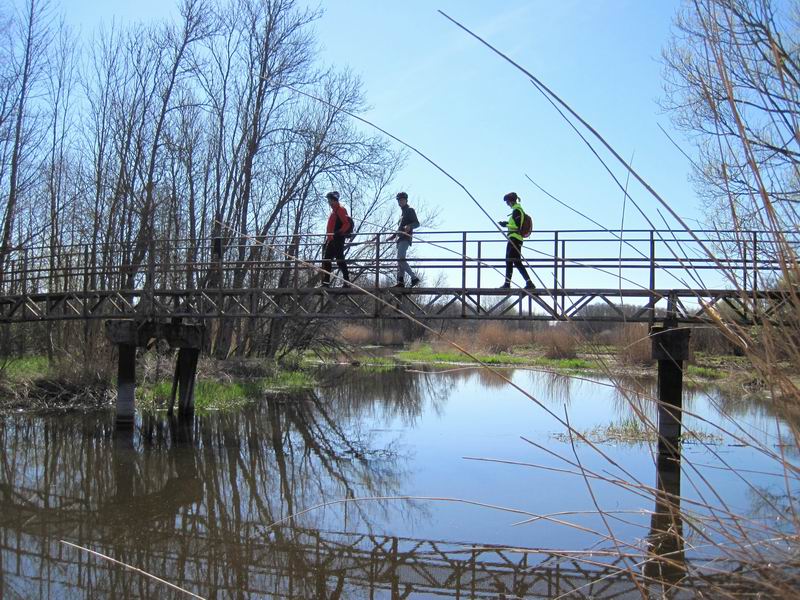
(633, 344)
(356, 334)
(500, 337)
(558, 342)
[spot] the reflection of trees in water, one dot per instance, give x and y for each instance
(744, 401)
(394, 393)
(191, 512)
(491, 380)
(636, 395)
(460, 375)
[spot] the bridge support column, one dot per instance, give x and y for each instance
(670, 348)
(183, 382)
(128, 335)
(666, 564)
(126, 386)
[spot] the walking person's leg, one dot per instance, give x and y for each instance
(340, 261)
(510, 253)
(519, 264)
(327, 255)
(402, 264)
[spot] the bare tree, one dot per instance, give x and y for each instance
(30, 41)
(733, 82)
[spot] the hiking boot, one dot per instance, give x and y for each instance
(399, 284)
(414, 282)
(529, 285)
(505, 286)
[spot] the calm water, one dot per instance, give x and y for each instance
(444, 471)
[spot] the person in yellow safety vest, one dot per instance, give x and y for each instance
(514, 245)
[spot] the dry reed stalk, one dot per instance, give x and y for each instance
(132, 568)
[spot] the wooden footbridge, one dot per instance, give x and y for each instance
(650, 271)
(171, 290)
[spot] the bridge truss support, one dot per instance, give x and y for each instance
(128, 335)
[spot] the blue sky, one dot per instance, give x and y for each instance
(481, 120)
(430, 84)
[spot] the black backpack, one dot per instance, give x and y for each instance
(351, 233)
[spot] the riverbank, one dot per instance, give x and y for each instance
(703, 369)
(33, 384)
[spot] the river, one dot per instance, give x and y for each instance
(402, 483)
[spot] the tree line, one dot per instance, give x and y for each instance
(180, 131)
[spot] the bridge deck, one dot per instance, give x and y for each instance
(688, 305)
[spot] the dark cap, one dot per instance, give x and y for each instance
(332, 196)
(511, 197)
(401, 196)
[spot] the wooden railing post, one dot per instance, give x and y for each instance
(216, 259)
(555, 272)
(151, 276)
(479, 268)
(652, 302)
(377, 261)
(377, 308)
(755, 261)
(563, 281)
(25, 272)
(464, 274)
(744, 265)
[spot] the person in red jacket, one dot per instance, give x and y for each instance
(338, 228)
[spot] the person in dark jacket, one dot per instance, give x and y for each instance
(403, 235)
(333, 248)
(514, 245)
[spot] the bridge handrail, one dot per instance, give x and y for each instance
(747, 261)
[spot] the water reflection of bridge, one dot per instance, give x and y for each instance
(191, 502)
(298, 563)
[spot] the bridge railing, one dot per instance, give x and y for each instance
(558, 259)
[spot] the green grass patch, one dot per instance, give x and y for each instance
(377, 364)
(707, 372)
(26, 367)
(427, 354)
(571, 364)
(208, 395)
(633, 431)
(288, 380)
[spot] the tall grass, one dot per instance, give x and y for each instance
(500, 337)
(558, 342)
(357, 335)
(25, 367)
(633, 345)
(493, 337)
